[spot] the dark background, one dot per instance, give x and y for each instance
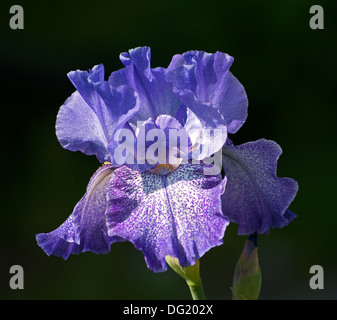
(289, 73)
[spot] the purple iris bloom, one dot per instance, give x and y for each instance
(154, 129)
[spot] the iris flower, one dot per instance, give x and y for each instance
(154, 193)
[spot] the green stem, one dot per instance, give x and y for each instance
(197, 291)
(190, 274)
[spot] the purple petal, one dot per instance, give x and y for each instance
(177, 141)
(79, 129)
(206, 86)
(141, 145)
(255, 197)
(85, 81)
(163, 141)
(155, 93)
(205, 140)
(89, 118)
(178, 214)
(85, 229)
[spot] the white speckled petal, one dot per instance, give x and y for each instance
(178, 214)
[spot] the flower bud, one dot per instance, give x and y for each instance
(247, 275)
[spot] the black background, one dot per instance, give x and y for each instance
(289, 73)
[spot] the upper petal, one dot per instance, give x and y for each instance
(79, 129)
(89, 118)
(206, 86)
(178, 214)
(205, 140)
(85, 229)
(255, 197)
(154, 91)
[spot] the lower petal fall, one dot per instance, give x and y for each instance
(178, 214)
(85, 229)
(255, 198)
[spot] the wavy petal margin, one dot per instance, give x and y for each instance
(255, 197)
(85, 229)
(178, 214)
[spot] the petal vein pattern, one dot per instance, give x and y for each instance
(178, 214)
